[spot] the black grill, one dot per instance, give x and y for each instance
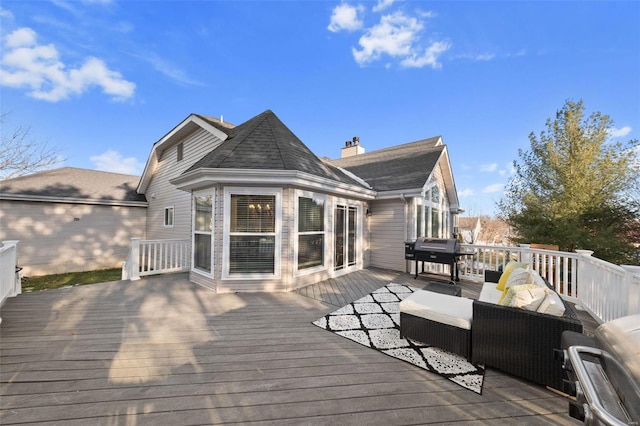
(435, 250)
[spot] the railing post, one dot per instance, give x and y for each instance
(133, 263)
(525, 254)
(634, 288)
(583, 287)
(12, 246)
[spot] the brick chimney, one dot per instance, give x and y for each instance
(352, 148)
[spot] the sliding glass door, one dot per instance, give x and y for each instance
(345, 235)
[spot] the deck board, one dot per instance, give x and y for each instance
(164, 351)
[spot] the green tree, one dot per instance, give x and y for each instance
(576, 187)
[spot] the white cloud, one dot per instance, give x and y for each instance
(112, 161)
(489, 167)
(4, 13)
(382, 4)
(468, 192)
(168, 69)
(399, 36)
(496, 187)
(429, 57)
(620, 133)
(36, 67)
(345, 17)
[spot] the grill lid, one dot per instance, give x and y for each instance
(443, 245)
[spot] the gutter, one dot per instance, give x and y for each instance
(71, 200)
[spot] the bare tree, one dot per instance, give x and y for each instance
(20, 155)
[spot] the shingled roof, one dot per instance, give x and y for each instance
(76, 184)
(406, 166)
(266, 143)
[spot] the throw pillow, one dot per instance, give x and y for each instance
(537, 279)
(552, 304)
(512, 291)
(529, 298)
(520, 276)
(512, 265)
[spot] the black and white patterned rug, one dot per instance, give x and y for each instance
(374, 321)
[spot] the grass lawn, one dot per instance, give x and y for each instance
(49, 282)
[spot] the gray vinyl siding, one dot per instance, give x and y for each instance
(160, 193)
(387, 234)
(64, 237)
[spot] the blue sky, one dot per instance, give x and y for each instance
(103, 80)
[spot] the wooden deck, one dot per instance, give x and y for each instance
(164, 351)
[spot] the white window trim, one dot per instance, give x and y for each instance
(195, 194)
(173, 216)
(228, 191)
(325, 254)
(359, 239)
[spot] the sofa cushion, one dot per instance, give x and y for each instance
(442, 308)
(511, 266)
(490, 293)
(552, 304)
(529, 298)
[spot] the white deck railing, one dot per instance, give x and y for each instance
(605, 290)
(10, 283)
(152, 257)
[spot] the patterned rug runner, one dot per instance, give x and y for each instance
(374, 321)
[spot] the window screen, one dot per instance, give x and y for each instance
(252, 234)
(310, 233)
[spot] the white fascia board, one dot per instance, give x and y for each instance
(454, 202)
(71, 200)
(206, 177)
(168, 139)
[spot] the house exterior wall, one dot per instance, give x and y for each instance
(69, 237)
(388, 228)
(160, 193)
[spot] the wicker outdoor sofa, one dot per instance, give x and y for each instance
(518, 341)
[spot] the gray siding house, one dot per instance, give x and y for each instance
(71, 219)
(264, 213)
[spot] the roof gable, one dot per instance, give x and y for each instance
(70, 183)
(265, 143)
(190, 124)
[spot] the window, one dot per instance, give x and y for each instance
(419, 210)
(435, 223)
(168, 216)
(252, 243)
(311, 218)
(180, 151)
(435, 195)
(202, 231)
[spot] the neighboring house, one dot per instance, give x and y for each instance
(266, 214)
(71, 219)
(469, 229)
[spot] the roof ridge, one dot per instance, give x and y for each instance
(277, 144)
